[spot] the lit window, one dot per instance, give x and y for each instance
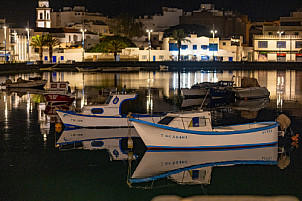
(281, 44)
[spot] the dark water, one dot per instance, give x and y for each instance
(33, 168)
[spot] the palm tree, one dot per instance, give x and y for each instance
(51, 42)
(115, 46)
(38, 41)
(180, 36)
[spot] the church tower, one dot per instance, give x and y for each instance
(43, 14)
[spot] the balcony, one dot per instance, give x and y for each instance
(276, 37)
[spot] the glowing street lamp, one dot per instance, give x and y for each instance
(279, 32)
(213, 32)
(83, 42)
(149, 40)
(4, 28)
(27, 29)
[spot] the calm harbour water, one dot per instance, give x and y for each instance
(33, 168)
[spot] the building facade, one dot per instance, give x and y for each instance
(43, 14)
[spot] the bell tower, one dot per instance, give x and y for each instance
(43, 14)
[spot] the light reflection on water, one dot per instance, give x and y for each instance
(28, 137)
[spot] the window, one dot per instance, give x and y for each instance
(62, 85)
(41, 16)
(108, 99)
(194, 47)
(204, 47)
(281, 44)
(45, 58)
(173, 47)
(270, 33)
(161, 57)
(184, 47)
(144, 57)
(166, 120)
(197, 122)
(47, 16)
(224, 43)
(62, 58)
(97, 111)
(298, 44)
(213, 47)
(262, 44)
(297, 33)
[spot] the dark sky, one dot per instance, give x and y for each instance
(21, 11)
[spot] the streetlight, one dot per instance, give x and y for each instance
(213, 32)
(83, 44)
(279, 32)
(4, 28)
(27, 29)
(149, 41)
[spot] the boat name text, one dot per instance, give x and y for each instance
(174, 136)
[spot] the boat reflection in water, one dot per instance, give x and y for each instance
(195, 167)
(97, 139)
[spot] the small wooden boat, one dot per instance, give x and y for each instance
(92, 69)
(106, 115)
(193, 130)
(59, 93)
(195, 167)
(37, 84)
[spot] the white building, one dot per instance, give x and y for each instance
(43, 14)
(79, 18)
(277, 48)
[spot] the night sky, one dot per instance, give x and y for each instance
(21, 11)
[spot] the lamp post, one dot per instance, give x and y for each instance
(213, 32)
(149, 41)
(83, 43)
(27, 29)
(4, 28)
(279, 32)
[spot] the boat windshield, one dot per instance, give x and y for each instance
(166, 120)
(108, 100)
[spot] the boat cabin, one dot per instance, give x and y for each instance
(199, 121)
(112, 106)
(59, 86)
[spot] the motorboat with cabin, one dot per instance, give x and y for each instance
(104, 115)
(59, 93)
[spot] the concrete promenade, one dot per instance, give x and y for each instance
(12, 68)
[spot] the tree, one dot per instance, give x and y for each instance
(51, 42)
(126, 26)
(179, 36)
(39, 41)
(115, 46)
(112, 44)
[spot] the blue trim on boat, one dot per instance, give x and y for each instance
(274, 124)
(241, 162)
(93, 139)
(212, 149)
(120, 106)
(238, 146)
(95, 116)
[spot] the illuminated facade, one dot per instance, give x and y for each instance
(43, 14)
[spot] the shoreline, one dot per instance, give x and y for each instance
(12, 68)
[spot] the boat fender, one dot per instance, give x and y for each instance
(284, 121)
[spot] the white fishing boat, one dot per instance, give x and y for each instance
(96, 139)
(106, 115)
(195, 167)
(250, 92)
(193, 130)
(24, 83)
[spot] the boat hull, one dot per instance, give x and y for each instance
(30, 84)
(55, 98)
(72, 119)
(157, 136)
(251, 92)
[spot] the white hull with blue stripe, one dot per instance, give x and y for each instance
(106, 115)
(182, 166)
(194, 131)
